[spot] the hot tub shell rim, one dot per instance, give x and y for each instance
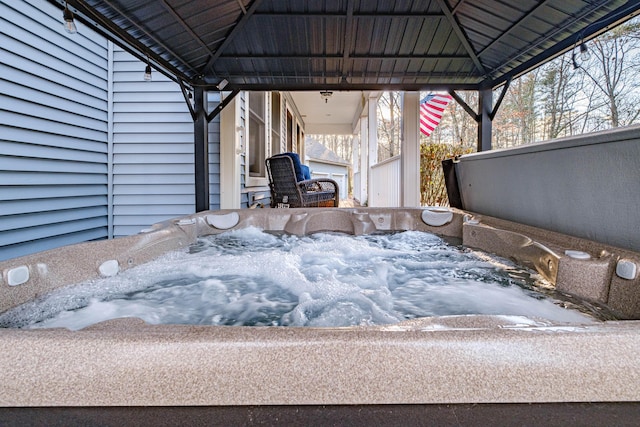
(463, 359)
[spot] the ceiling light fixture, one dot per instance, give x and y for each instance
(147, 71)
(326, 94)
(584, 54)
(69, 24)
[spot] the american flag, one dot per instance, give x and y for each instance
(431, 109)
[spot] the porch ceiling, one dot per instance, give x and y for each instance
(349, 44)
(336, 115)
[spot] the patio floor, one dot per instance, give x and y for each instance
(348, 203)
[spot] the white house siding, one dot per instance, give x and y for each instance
(53, 131)
(153, 169)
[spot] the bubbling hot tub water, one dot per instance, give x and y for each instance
(252, 278)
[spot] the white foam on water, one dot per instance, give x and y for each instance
(248, 277)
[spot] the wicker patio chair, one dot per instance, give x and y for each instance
(289, 191)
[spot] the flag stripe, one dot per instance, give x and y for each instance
(431, 110)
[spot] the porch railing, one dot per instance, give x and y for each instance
(384, 184)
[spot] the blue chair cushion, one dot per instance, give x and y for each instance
(306, 172)
(297, 166)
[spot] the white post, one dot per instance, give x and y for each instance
(410, 152)
(355, 152)
(231, 146)
(355, 165)
(372, 140)
(364, 161)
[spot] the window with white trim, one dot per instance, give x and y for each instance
(276, 123)
(257, 147)
(264, 134)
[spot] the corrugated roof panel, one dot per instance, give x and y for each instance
(304, 43)
(550, 35)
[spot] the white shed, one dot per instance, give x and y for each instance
(324, 163)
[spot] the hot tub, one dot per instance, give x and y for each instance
(434, 361)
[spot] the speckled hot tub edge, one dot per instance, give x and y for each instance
(454, 359)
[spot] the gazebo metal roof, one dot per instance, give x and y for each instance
(349, 44)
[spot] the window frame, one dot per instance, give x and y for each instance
(260, 179)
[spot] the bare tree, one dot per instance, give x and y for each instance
(339, 144)
(456, 127)
(516, 119)
(613, 70)
(389, 124)
(559, 88)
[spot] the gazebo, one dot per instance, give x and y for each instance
(236, 45)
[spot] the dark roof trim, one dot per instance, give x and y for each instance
(341, 14)
(347, 41)
(305, 87)
(186, 27)
(462, 36)
(357, 57)
(234, 31)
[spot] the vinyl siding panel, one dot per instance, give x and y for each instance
(88, 149)
(153, 172)
(53, 131)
